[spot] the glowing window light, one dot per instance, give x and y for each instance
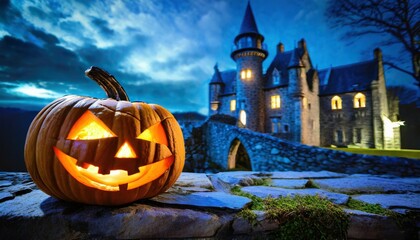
(275, 101)
(359, 100)
(336, 103)
(242, 117)
(246, 74)
(232, 105)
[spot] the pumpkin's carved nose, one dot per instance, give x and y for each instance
(126, 151)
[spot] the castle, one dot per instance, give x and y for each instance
(341, 106)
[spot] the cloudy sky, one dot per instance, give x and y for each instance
(161, 51)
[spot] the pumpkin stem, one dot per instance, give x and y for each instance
(108, 83)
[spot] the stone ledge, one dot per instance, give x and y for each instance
(192, 208)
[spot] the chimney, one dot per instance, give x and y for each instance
(302, 44)
(280, 47)
(377, 53)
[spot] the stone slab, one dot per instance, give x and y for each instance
(370, 184)
(364, 225)
(204, 199)
(197, 180)
(289, 183)
(410, 201)
(4, 196)
(263, 192)
(4, 183)
(243, 178)
(307, 175)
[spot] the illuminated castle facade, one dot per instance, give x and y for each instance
(341, 106)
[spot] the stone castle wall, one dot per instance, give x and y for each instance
(347, 120)
(268, 153)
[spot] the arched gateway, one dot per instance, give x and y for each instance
(238, 158)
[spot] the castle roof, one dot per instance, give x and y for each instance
(227, 79)
(217, 78)
(348, 78)
(295, 60)
(248, 23)
(281, 62)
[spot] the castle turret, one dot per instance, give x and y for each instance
(216, 84)
(249, 52)
(296, 74)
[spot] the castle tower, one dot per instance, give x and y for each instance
(296, 75)
(249, 53)
(216, 85)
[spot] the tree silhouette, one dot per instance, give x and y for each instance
(396, 21)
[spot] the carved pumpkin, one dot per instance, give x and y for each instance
(104, 151)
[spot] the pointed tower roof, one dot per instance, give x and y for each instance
(217, 78)
(248, 23)
(248, 26)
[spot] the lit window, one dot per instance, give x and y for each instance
(243, 74)
(242, 117)
(336, 103)
(304, 102)
(359, 100)
(246, 74)
(232, 105)
(214, 106)
(275, 101)
(276, 77)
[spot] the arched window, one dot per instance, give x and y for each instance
(242, 117)
(359, 100)
(276, 77)
(336, 103)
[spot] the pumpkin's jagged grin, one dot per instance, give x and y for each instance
(116, 180)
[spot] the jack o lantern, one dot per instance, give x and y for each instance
(104, 151)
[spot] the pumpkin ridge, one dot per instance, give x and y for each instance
(68, 188)
(31, 137)
(44, 165)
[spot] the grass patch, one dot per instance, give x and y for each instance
(405, 222)
(407, 153)
(369, 208)
(300, 217)
(261, 181)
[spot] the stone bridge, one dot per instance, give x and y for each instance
(231, 147)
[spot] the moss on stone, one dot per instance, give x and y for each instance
(368, 207)
(300, 217)
(405, 222)
(262, 181)
(311, 184)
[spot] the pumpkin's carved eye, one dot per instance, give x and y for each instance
(155, 134)
(89, 127)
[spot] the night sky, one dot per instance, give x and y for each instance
(161, 51)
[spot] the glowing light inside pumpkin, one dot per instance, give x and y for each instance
(155, 134)
(126, 151)
(89, 127)
(110, 182)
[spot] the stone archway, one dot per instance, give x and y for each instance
(238, 158)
